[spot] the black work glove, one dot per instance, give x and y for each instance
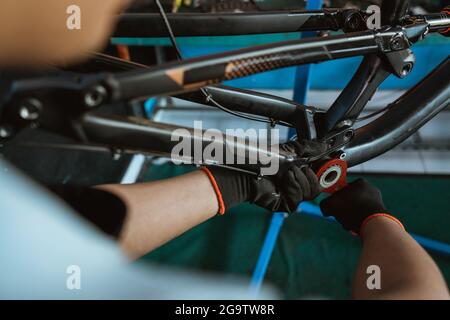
(277, 194)
(352, 205)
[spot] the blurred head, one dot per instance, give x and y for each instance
(36, 32)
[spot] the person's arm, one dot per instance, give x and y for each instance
(160, 211)
(35, 32)
(406, 270)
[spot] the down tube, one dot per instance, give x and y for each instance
(405, 116)
(160, 139)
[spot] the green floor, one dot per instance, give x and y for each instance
(313, 257)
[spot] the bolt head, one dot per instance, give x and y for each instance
(331, 142)
(397, 43)
(30, 110)
(5, 132)
(348, 135)
(95, 96)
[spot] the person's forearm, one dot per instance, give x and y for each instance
(407, 271)
(159, 211)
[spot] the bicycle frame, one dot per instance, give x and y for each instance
(386, 52)
(144, 25)
(223, 24)
(404, 117)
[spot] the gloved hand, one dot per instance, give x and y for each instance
(354, 205)
(279, 194)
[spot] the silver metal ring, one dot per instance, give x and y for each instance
(330, 177)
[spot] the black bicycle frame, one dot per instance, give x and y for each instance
(404, 117)
(386, 52)
(196, 73)
(141, 25)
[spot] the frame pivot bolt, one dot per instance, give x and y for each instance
(30, 110)
(95, 96)
(397, 43)
(348, 135)
(5, 132)
(331, 142)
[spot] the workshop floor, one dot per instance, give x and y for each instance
(313, 257)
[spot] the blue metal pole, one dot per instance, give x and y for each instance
(266, 252)
(301, 88)
(149, 105)
(433, 245)
(303, 73)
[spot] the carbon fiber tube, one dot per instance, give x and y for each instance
(192, 74)
(405, 116)
(160, 139)
(276, 108)
(141, 25)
